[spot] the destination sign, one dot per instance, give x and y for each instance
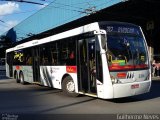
(122, 29)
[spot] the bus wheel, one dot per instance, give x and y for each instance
(21, 77)
(16, 77)
(68, 87)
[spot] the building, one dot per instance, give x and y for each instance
(62, 15)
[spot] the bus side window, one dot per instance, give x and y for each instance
(63, 45)
(19, 57)
(54, 54)
(72, 53)
(29, 60)
(28, 56)
(44, 56)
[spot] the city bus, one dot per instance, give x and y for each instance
(102, 59)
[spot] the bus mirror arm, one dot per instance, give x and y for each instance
(103, 51)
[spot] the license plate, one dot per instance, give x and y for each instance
(134, 86)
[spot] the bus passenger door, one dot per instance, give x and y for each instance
(87, 66)
(36, 62)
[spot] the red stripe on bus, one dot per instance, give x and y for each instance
(127, 67)
(17, 67)
(71, 69)
(141, 66)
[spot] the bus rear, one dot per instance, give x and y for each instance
(127, 57)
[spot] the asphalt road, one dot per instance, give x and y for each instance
(34, 99)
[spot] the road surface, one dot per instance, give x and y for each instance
(34, 99)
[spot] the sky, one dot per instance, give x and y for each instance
(12, 13)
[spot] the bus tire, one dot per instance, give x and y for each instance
(68, 87)
(21, 78)
(16, 77)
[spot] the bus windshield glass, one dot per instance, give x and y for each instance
(126, 51)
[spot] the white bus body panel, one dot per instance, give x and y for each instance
(77, 31)
(125, 90)
(108, 90)
(27, 72)
(51, 76)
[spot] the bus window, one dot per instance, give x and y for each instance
(71, 60)
(18, 58)
(44, 55)
(63, 51)
(54, 54)
(126, 51)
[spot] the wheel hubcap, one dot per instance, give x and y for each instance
(70, 86)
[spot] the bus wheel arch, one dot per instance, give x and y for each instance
(68, 86)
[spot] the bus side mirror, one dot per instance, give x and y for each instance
(103, 41)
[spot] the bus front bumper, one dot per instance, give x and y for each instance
(131, 89)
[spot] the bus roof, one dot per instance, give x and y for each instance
(80, 30)
(96, 26)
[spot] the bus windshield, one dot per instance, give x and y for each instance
(126, 51)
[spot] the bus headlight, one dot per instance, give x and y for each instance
(115, 80)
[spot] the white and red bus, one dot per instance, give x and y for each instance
(102, 59)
